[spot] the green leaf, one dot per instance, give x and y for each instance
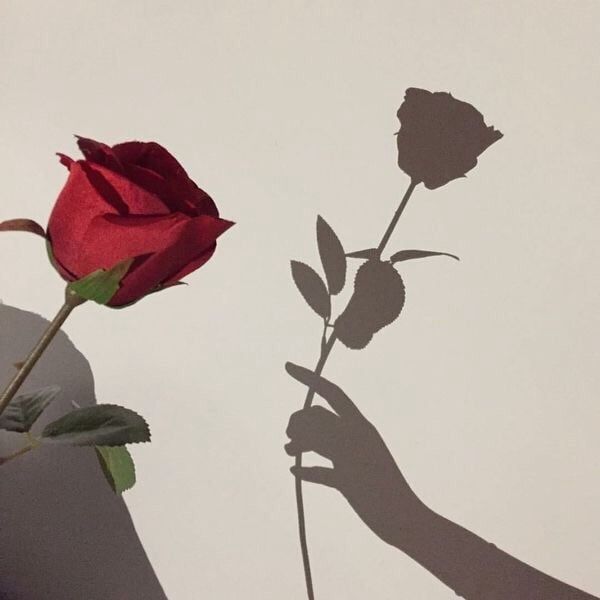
(410, 254)
(312, 288)
(333, 257)
(26, 225)
(101, 425)
(23, 411)
(117, 466)
(368, 253)
(100, 286)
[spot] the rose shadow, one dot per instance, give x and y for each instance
(63, 533)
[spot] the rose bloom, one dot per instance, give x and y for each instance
(131, 201)
(440, 137)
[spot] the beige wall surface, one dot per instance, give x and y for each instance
(486, 390)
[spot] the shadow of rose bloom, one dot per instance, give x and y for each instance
(440, 137)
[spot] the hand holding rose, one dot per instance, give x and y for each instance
(364, 470)
(367, 475)
(440, 139)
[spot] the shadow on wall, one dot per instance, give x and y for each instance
(63, 532)
(367, 475)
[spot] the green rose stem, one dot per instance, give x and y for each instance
(325, 352)
(72, 300)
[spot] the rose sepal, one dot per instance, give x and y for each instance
(101, 285)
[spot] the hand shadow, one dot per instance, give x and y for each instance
(64, 534)
(365, 472)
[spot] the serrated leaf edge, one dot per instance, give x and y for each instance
(147, 427)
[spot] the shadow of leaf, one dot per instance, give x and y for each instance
(332, 256)
(377, 301)
(312, 288)
(412, 254)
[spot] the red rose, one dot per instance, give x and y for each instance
(132, 200)
(440, 137)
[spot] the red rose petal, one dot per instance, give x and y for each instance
(99, 153)
(126, 195)
(197, 236)
(77, 204)
(150, 155)
(111, 239)
(191, 266)
(65, 160)
(174, 196)
(156, 169)
(205, 205)
(62, 270)
(132, 200)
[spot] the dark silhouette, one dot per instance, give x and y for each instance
(64, 534)
(376, 302)
(440, 137)
(366, 474)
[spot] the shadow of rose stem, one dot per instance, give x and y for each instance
(325, 352)
(440, 140)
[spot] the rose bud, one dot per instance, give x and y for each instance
(440, 137)
(377, 301)
(131, 201)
